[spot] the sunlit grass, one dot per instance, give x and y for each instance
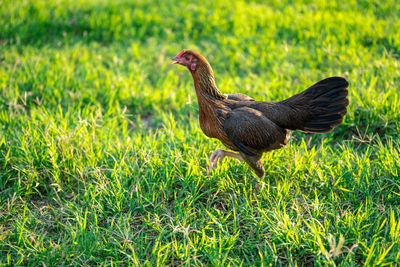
(102, 160)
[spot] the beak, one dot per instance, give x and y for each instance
(174, 60)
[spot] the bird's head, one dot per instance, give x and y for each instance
(203, 75)
(188, 58)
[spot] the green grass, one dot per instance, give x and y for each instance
(102, 160)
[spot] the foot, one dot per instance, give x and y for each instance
(218, 156)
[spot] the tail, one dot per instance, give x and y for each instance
(324, 104)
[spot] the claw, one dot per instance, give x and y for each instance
(216, 157)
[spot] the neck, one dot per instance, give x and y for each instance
(204, 81)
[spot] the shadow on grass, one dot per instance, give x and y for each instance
(102, 23)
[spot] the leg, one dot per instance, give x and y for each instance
(218, 156)
(255, 163)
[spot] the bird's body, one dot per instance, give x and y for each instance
(254, 127)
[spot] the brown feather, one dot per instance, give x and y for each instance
(254, 127)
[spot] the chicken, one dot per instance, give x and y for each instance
(252, 127)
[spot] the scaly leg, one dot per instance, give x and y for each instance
(218, 156)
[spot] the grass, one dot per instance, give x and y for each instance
(102, 160)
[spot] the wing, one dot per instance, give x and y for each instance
(253, 133)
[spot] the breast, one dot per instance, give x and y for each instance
(213, 128)
(208, 125)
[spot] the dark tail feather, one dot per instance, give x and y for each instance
(327, 100)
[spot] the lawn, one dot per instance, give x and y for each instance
(102, 159)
